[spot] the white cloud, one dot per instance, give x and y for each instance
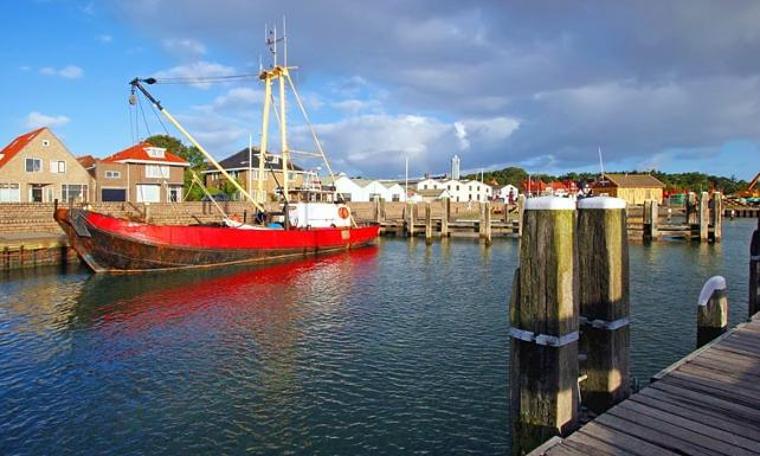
(36, 120)
(67, 72)
(195, 72)
(239, 98)
(184, 47)
(354, 106)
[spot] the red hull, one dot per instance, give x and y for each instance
(109, 244)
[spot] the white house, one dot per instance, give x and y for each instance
(458, 190)
(507, 193)
(365, 190)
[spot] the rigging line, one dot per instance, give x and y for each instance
(155, 113)
(145, 119)
(131, 124)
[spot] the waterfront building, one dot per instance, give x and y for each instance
(633, 188)
(364, 190)
(458, 190)
(141, 173)
(36, 167)
(455, 162)
(237, 166)
(507, 193)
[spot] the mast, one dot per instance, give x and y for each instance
(283, 133)
(250, 162)
(260, 194)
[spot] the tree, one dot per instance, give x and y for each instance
(189, 153)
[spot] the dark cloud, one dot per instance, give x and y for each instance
(634, 77)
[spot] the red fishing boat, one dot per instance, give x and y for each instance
(109, 244)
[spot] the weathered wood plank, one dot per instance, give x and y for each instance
(654, 436)
(622, 440)
(708, 386)
(706, 400)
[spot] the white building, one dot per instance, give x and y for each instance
(455, 162)
(459, 190)
(365, 190)
(507, 193)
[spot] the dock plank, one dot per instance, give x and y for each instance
(707, 403)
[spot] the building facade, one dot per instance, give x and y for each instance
(633, 188)
(459, 191)
(365, 190)
(139, 174)
(237, 166)
(36, 167)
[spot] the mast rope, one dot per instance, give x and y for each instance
(142, 111)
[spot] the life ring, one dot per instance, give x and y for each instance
(343, 212)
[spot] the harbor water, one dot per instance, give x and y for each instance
(396, 349)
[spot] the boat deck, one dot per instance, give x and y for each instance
(707, 403)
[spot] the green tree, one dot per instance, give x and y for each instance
(191, 154)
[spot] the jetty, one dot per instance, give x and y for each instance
(570, 385)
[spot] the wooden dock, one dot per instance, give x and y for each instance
(707, 403)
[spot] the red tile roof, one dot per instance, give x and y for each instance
(138, 153)
(17, 145)
(88, 161)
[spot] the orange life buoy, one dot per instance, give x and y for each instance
(235, 218)
(343, 212)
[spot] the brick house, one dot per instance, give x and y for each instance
(141, 173)
(236, 166)
(37, 167)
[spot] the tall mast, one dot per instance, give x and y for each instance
(260, 195)
(283, 73)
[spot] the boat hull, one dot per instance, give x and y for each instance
(112, 245)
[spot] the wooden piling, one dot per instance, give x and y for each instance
(428, 224)
(446, 217)
(651, 214)
(485, 222)
(377, 216)
(604, 301)
(717, 216)
(691, 209)
(754, 272)
(520, 212)
(704, 217)
(544, 326)
(712, 310)
(410, 219)
(505, 213)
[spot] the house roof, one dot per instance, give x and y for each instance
(87, 161)
(18, 144)
(634, 180)
(431, 192)
(239, 160)
(138, 153)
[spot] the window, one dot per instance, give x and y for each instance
(74, 192)
(155, 152)
(113, 174)
(345, 197)
(396, 197)
(470, 187)
(57, 166)
(148, 193)
(457, 188)
(175, 193)
(10, 193)
(157, 171)
(375, 196)
(292, 176)
(45, 143)
(33, 165)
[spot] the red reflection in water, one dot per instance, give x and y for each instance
(160, 301)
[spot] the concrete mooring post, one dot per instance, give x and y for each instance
(428, 224)
(717, 216)
(754, 272)
(544, 326)
(704, 216)
(446, 217)
(604, 301)
(651, 214)
(712, 310)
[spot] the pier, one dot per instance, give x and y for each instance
(569, 325)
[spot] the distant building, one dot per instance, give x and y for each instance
(459, 191)
(141, 173)
(455, 162)
(507, 193)
(36, 167)
(633, 188)
(237, 166)
(364, 190)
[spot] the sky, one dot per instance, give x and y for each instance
(544, 85)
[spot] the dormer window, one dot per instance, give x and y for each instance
(156, 152)
(45, 143)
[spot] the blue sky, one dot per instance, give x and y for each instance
(534, 84)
